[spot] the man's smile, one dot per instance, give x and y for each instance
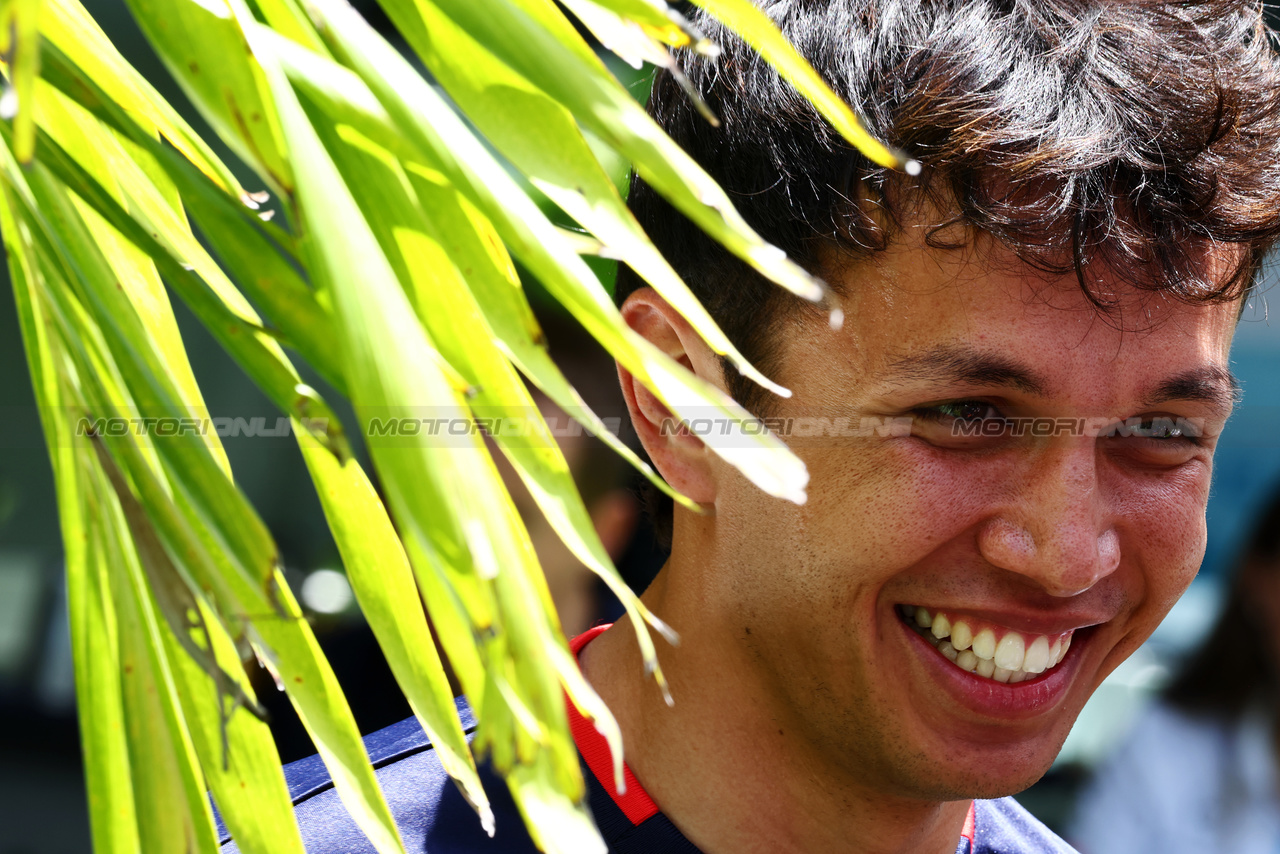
(1001, 666)
(987, 650)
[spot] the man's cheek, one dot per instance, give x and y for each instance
(943, 492)
(1164, 532)
(1159, 565)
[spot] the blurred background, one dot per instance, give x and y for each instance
(42, 807)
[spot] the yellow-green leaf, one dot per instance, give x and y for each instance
(383, 582)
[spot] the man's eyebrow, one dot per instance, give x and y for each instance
(953, 364)
(1210, 384)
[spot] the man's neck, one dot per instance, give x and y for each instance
(726, 775)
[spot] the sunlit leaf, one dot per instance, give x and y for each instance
(101, 707)
(541, 138)
(22, 18)
(383, 582)
(204, 49)
(520, 34)
(70, 30)
(251, 256)
(382, 253)
(428, 123)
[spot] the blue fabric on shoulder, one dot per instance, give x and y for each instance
(1005, 827)
(430, 812)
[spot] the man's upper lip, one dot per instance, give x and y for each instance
(1022, 621)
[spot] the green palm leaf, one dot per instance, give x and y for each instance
(390, 271)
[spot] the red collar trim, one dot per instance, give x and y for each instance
(634, 801)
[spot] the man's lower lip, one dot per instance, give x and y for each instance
(992, 699)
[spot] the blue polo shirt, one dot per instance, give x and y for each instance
(433, 817)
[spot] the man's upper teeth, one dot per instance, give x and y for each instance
(1013, 658)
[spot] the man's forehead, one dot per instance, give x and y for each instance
(981, 317)
(930, 253)
(938, 230)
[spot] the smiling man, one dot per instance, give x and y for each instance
(1044, 317)
(926, 628)
(1037, 330)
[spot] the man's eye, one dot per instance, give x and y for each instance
(960, 410)
(961, 424)
(1158, 440)
(1160, 428)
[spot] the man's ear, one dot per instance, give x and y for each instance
(679, 456)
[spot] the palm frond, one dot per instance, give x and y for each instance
(389, 269)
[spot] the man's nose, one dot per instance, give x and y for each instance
(1056, 528)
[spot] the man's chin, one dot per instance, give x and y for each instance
(986, 789)
(981, 772)
(980, 785)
